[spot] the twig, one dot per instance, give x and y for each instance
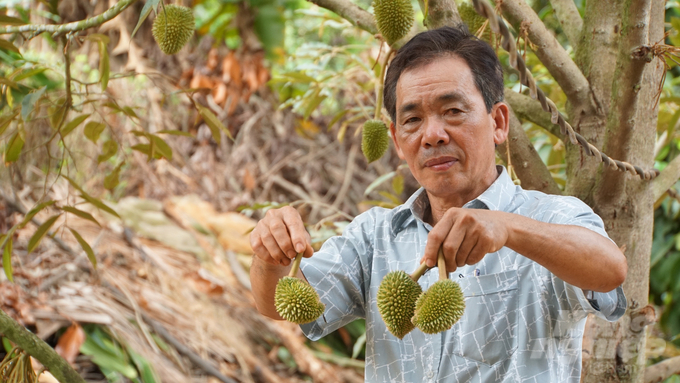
(347, 181)
(350, 12)
(668, 177)
(71, 27)
(530, 110)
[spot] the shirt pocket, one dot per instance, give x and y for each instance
(487, 329)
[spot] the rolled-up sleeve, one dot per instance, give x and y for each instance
(610, 305)
(337, 272)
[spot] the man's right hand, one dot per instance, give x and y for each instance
(279, 236)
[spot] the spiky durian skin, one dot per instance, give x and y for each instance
(440, 307)
(397, 297)
(475, 21)
(172, 35)
(394, 18)
(296, 301)
(374, 140)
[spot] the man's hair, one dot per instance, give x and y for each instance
(427, 46)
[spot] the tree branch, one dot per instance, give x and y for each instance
(351, 12)
(569, 18)
(71, 27)
(667, 178)
(440, 13)
(550, 52)
(525, 160)
(662, 370)
(38, 349)
(529, 109)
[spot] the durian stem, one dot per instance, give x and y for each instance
(441, 265)
(296, 265)
(419, 271)
(381, 84)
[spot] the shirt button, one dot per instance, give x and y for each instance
(430, 374)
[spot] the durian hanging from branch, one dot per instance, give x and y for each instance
(374, 137)
(394, 18)
(173, 27)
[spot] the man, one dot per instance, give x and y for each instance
(531, 265)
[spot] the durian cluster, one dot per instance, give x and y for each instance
(173, 27)
(403, 305)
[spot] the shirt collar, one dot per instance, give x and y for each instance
(496, 197)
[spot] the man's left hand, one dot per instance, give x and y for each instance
(466, 236)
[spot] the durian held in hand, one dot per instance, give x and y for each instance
(397, 295)
(173, 27)
(295, 300)
(442, 305)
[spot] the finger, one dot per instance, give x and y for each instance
(435, 239)
(296, 228)
(274, 250)
(309, 251)
(469, 243)
(451, 247)
(476, 254)
(282, 237)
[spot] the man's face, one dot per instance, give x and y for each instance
(443, 130)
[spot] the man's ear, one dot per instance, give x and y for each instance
(500, 113)
(393, 133)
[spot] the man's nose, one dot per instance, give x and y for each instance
(434, 133)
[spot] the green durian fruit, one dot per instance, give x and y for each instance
(374, 140)
(397, 297)
(475, 21)
(296, 301)
(394, 18)
(173, 27)
(440, 307)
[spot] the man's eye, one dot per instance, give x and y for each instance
(453, 111)
(410, 120)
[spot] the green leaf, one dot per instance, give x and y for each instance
(37, 209)
(313, 102)
(6, 120)
(130, 112)
(175, 133)
(112, 180)
(99, 204)
(269, 26)
(213, 123)
(93, 130)
(80, 213)
(114, 106)
(142, 148)
(7, 260)
(29, 73)
(299, 77)
(337, 118)
(378, 181)
(7, 20)
(86, 247)
(393, 198)
(162, 147)
(109, 149)
(148, 7)
(68, 128)
(28, 103)
(6, 45)
(398, 184)
(104, 68)
(13, 148)
(40, 233)
(56, 113)
(74, 184)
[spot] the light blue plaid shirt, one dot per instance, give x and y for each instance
(521, 322)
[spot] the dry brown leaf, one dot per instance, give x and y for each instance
(212, 59)
(219, 93)
(201, 81)
(69, 344)
(249, 180)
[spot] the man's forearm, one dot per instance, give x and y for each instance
(263, 279)
(576, 255)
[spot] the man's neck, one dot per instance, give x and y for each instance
(440, 205)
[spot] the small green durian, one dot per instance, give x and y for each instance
(440, 307)
(374, 140)
(295, 300)
(173, 27)
(397, 295)
(394, 18)
(475, 21)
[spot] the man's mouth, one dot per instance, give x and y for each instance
(441, 163)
